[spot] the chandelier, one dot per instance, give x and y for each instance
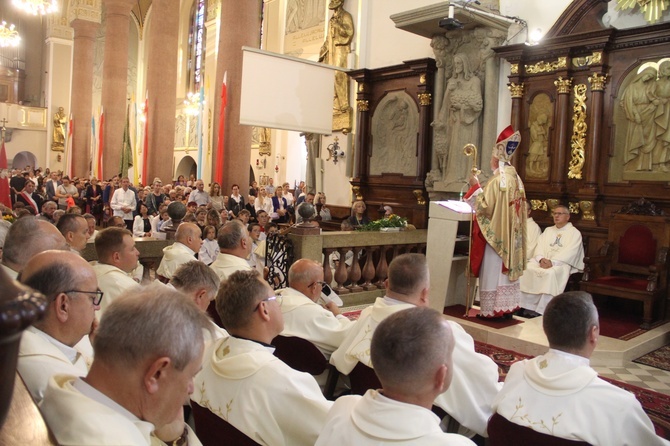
(8, 35)
(192, 104)
(36, 7)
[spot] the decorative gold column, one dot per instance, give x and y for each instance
(240, 25)
(363, 122)
(84, 17)
(115, 82)
(562, 139)
(161, 88)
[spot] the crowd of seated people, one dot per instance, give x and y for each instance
(115, 361)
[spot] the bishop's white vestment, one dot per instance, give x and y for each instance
(242, 382)
(565, 250)
(475, 376)
(304, 318)
(559, 394)
(174, 256)
(374, 419)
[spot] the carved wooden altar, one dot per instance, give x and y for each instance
(394, 112)
(569, 102)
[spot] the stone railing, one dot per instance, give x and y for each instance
(363, 280)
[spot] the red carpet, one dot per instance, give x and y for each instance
(656, 405)
(458, 311)
(658, 358)
(621, 319)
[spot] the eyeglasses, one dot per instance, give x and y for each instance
(321, 283)
(278, 299)
(96, 300)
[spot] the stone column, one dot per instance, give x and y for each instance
(240, 25)
(162, 89)
(115, 82)
(84, 17)
(562, 141)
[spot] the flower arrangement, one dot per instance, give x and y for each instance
(392, 221)
(9, 218)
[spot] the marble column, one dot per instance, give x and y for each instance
(161, 89)
(115, 82)
(82, 93)
(240, 25)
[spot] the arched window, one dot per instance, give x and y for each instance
(196, 46)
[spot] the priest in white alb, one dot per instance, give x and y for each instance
(559, 253)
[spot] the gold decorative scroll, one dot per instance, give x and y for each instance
(573, 207)
(578, 142)
(418, 194)
(515, 90)
(424, 98)
(422, 79)
(362, 87)
(547, 67)
(652, 9)
(597, 81)
(597, 57)
(540, 205)
(363, 105)
(357, 192)
(563, 85)
(514, 68)
(583, 61)
(587, 210)
(552, 203)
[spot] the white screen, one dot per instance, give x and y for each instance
(286, 93)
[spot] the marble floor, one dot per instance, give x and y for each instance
(612, 358)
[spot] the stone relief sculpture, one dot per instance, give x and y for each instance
(180, 131)
(537, 164)
(661, 156)
(335, 51)
(303, 14)
(192, 131)
(458, 120)
(395, 125)
(467, 75)
(639, 102)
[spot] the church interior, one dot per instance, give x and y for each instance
(164, 88)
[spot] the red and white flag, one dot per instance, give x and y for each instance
(100, 145)
(218, 175)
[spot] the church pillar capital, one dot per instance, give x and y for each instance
(86, 10)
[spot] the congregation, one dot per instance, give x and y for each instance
(96, 384)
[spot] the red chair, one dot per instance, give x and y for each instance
(503, 432)
(632, 264)
(213, 430)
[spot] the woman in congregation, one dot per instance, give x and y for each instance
(235, 202)
(142, 222)
(280, 207)
(216, 196)
(359, 216)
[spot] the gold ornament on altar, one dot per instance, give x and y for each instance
(652, 9)
(578, 141)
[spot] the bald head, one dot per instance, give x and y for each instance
(27, 237)
(305, 276)
(189, 234)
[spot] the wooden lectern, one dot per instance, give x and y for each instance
(447, 252)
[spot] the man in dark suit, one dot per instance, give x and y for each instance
(51, 186)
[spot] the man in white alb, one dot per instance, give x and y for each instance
(242, 381)
(412, 353)
(559, 394)
(304, 317)
(234, 248)
(559, 253)
(123, 203)
(475, 383)
(187, 243)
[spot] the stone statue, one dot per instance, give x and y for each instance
(394, 130)
(639, 102)
(537, 164)
(60, 121)
(335, 51)
(313, 144)
(661, 156)
(458, 121)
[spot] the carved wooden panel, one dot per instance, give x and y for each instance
(394, 111)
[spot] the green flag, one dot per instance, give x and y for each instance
(127, 152)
